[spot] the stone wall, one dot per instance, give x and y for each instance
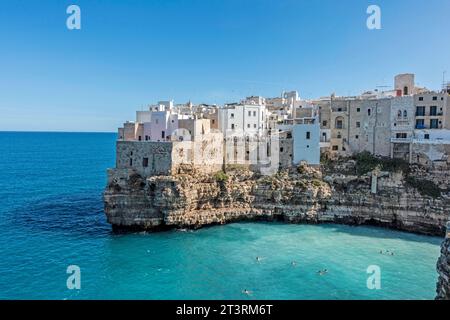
(132, 155)
(429, 154)
(150, 158)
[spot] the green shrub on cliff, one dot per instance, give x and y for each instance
(395, 165)
(366, 162)
(425, 187)
(316, 183)
(221, 176)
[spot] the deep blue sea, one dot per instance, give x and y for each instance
(51, 216)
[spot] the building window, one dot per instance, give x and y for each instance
(401, 135)
(433, 111)
(356, 137)
(308, 135)
(254, 126)
(156, 121)
(254, 113)
(213, 121)
(339, 123)
(358, 109)
(369, 112)
(405, 114)
(232, 126)
(324, 123)
(140, 138)
(420, 98)
(420, 124)
(399, 113)
(146, 138)
(427, 136)
(249, 113)
(358, 124)
(145, 162)
(163, 134)
(335, 148)
(339, 109)
(405, 91)
(434, 124)
(420, 111)
(339, 136)
(434, 98)
(281, 149)
(131, 162)
(248, 125)
(232, 115)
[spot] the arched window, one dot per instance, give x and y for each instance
(339, 123)
(369, 112)
(405, 114)
(399, 113)
(405, 91)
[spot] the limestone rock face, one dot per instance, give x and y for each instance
(299, 195)
(443, 269)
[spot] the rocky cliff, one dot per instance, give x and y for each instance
(443, 269)
(417, 202)
(297, 195)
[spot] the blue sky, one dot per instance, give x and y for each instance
(132, 53)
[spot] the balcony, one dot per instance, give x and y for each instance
(401, 140)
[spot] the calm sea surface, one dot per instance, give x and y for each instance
(51, 216)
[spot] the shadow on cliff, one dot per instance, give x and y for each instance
(382, 233)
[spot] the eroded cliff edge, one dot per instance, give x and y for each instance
(417, 200)
(298, 195)
(443, 269)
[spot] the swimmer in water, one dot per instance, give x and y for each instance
(247, 292)
(258, 259)
(293, 263)
(322, 272)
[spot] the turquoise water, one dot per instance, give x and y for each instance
(51, 216)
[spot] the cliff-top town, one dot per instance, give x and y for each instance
(406, 122)
(188, 165)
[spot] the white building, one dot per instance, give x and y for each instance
(242, 118)
(305, 139)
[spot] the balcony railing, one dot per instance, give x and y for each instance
(401, 140)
